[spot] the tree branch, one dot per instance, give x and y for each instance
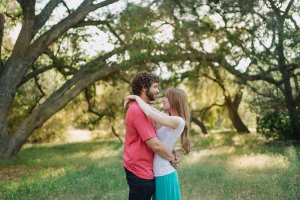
(59, 99)
(211, 58)
(297, 100)
(44, 15)
(56, 31)
(36, 80)
(263, 94)
(114, 33)
(103, 3)
(2, 22)
(216, 81)
(66, 6)
(199, 123)
(26, 33)
(28, 8)
(288, 8)
(89, 23)
(293, 21)
(117, 135)
(99, 22)
(275, 9)
(35, 73)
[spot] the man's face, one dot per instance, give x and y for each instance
(152, 92)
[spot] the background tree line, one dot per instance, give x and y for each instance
(254, 62)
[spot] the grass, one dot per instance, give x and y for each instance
(220, 166)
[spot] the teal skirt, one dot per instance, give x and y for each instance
(167, 187)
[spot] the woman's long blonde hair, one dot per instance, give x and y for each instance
(179, 103)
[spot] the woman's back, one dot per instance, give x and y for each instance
(168, 136)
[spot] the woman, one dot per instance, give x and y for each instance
(174, 124)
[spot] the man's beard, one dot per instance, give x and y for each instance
(150, 95)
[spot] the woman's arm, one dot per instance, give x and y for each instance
(161, 118)
(154, 109)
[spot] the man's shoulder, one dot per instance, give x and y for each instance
(134, 107)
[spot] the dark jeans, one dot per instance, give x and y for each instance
(139, 189)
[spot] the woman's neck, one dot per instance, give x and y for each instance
(173, 113)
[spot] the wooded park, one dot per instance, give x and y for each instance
(66, 66)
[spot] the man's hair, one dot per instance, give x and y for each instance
(143, 80)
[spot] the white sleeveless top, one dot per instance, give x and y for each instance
(168, 136)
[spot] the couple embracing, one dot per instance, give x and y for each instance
(148, 159)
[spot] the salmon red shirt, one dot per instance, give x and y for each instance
(137, 156)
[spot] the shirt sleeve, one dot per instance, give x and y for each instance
(181, 124)
(143, 125)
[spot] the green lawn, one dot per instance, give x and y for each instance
(220, 166)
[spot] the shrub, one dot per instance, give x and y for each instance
(275, 124)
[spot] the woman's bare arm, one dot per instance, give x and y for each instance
(161, 118)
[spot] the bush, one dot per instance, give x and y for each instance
(275, 124)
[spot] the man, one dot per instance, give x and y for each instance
(141, 142)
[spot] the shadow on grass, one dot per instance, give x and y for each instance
(44, 155)
(40, 158)
(105, 180)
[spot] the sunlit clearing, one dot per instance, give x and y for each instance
(53, 173)
(103, 153)
(218, 136)
(291, 153)
(238, 139)
(259, 161)
(196, 157)
(78, 135)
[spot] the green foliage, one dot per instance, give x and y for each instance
(274, 124)
(52, 131)
(135, 22)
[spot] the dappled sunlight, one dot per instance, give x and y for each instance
(258, 161)
(291, 153)
(238, 139)
(218, 136)
(42, 175)
(78, 135)
(197, 156)
(53, 173)
(103, 153)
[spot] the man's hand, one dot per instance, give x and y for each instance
(175, 162)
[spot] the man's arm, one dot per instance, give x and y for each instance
(156, 146)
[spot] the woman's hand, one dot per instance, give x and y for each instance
(175, 162)
(133, 97)
(128, 100)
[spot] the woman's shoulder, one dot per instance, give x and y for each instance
(180, 121)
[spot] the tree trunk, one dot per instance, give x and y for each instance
(24, 54)
(286, 77)
(291, 107)
(52, 105)
(199, 123)
(4, 144)
(2, 21)
(234, 116)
